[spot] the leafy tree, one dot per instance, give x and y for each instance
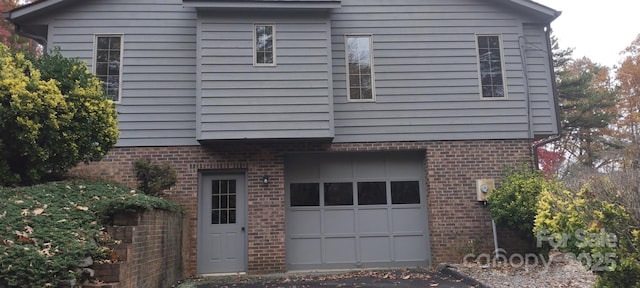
(587, 106)
(44, 131)
(628, 124)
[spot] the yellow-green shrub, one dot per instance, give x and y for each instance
(46, 131)
(565, 217)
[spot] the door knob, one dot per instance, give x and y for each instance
(242, 229)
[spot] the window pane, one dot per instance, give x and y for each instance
(305, 194)
(215, 202)
(232, 186)
(354, 93)
(338, 194)
(372, 193)
(354, 80)
(114, 43)
(215, 217)
(224, 201)
(494, 42)
(483, 42)
(103, 43)
(498, 91)
(223, 217)
(224, 187)
(405, 192)
(366, 93)
(232, 201)
(215, 184)
(365, 81)
(268, 57)
(232, 216)
(102, 56)
(101, 68)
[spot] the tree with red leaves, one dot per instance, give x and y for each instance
(9, 36)
(549, 161)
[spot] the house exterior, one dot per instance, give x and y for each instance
(316, 134)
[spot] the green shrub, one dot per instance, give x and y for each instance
(53, 115)
(47, 230)
(513, 203)
(154, 178)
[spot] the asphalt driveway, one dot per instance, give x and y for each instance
(408, 278)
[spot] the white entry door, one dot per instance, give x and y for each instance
(221, 229)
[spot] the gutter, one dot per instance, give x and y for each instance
(556, 101)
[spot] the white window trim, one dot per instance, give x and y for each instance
(95, 58)
(504, 74)
(255, 58)
(373, 73)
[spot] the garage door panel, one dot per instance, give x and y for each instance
(302, 171)
(408, 220)
(375, 249)
(340, 250)
(405, 248)
(403, 166)
(307, 222)
(373, 221)
(336, 169)
(368, 168)
(340, 222)
(304, 251)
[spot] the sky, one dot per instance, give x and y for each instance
(597, 29)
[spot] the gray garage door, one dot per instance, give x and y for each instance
(356, 210)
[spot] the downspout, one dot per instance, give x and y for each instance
(523, 59)
(556, 101)
(41, 40)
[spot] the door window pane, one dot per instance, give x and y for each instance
(405, 192)
(305, 194)
(338, 194)
(372, 193)
(223, 201)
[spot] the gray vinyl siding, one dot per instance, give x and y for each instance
(540, 86)
(186, 79)
(427, 85)
(289, 100)
(158, 98)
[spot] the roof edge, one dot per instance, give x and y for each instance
(326, 4)
(29, 9)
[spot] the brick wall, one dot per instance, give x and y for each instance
(149, 254)
(451, 169)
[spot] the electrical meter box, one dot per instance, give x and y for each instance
(484, 187)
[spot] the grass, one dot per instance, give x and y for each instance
(47, 230)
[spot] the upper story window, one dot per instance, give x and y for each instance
(360, 75)
(264, 45)
(491, 66)
(108, 63)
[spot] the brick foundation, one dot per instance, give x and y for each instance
(452, 167)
